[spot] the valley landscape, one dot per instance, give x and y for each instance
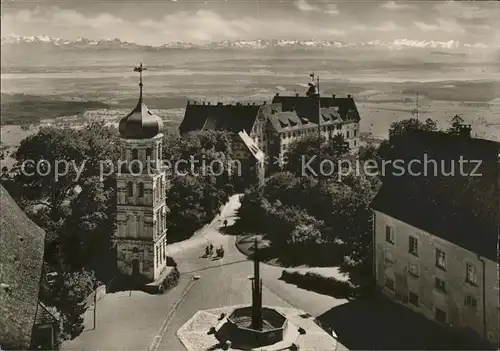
(45, 78)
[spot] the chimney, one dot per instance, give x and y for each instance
(277, 94)
(296, 94)
(189, 102)
(465, 130)
(203, 103)
(333, 96)
(194, 102)
(209, 103)
(219, 104)
(349, 96)
(264, 103)
(238, 104)
(253, 103)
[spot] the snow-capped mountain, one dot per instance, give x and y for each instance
(115, 43)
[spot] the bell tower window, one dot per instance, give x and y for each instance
(130, 189)
(141, 190)
(149, 153)
(135, 154)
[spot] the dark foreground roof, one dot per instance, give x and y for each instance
(232, 118)
(306, 106)
(21, 260)
(462, 208)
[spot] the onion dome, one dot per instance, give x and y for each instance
(140, 123)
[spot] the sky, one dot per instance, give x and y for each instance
(155, 22)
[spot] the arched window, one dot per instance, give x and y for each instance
(149, 153)
(141, 190)
(130, 189)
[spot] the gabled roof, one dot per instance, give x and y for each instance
(461, 209)
(21, 260)
(306, 106)
(233, 118)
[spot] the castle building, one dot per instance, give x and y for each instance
(141, 236)
(273, 126)
(436, 235)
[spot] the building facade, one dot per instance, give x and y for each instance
(437, 278)
(436, 237)
(141, 236)
(273, 126)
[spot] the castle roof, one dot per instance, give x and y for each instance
(306, 106)
(232, 118)
(460, 208)
(21, 260)
(140, 123)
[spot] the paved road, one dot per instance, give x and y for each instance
(139, 321)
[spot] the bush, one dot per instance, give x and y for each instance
(318, 283)
(172, 279)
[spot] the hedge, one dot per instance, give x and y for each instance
(318, 283)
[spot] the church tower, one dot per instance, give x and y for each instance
(141, 237)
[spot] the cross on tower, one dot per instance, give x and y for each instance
(139, 69)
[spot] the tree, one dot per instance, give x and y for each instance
(67, 293)
(53, 162)
(299, 152)
(303, 159)
(337, 147)
(457, 123)
(185, 202)
(37, 157)
(399, 128)
(201, 183)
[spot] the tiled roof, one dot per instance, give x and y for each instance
(461, 209)
(291, 120)
(21, 260)
(306, 106)
(233, 118)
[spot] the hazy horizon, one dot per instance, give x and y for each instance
(156, 23)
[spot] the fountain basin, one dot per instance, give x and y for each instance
(237, 328)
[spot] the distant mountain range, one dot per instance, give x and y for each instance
(115, 43)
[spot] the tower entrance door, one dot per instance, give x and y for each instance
(135, 267)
